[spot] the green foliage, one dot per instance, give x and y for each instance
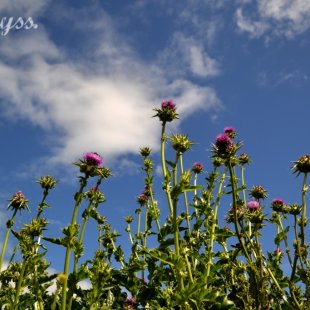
(195, 263)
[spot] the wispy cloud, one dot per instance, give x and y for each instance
(286, 18)
(101, 103)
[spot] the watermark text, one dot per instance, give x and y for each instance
(9, 23)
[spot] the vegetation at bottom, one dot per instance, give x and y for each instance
(193, 263)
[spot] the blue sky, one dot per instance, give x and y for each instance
(89, 76)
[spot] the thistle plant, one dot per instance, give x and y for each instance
(182, 255)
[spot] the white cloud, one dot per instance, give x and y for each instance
(277, 17)
(191, 57)
(25, 8)
(99, 103)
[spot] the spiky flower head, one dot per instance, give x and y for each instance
(258, 192)
(230, 131)
(197, 168)
(168, 104)
(47, 182)
(294, 209)
(95, 195)
(142, 199)
(253, 205)
(167, 112)
(93, 159)
(128, 219)
(244, 159)
(277, 204)
(18, 202)
(223, 145)
(302, 165)
(145, 151)
(91, 165)
(181, 143)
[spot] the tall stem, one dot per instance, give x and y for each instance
(6, 238)
(78, 200)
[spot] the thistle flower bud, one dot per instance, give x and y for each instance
(253, 205)
(47, 182)
(142, 199)
(258, 192)
(224, 146)
(18, 202)
(230, 131)
(167, 112)
(145, 151)
(302, 165)
(93, 159)
(244, 159)
(181, 143)
(277, 204)
(62, 277)
(294, 209)
(197, 168)
(128, 219)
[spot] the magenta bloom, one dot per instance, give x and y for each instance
(253, 205)
(278, 202)
(223, 143)
(169, 104)
(93, 159)
(229, 130)
(197, 168)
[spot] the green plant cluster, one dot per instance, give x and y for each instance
(194, 264)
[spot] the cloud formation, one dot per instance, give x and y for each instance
(286, 18)
(103, 102)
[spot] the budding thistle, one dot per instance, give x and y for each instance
(230, 131)
(181, 143)
(302, 165)
(278, 205)
(47, 182)
(145, 151)
(258, 192)
(167, 112)
(197, 168)
(244, 159)
(18, 202)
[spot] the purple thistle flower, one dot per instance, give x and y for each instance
(93, 159)
(142, 199)
(253, 205)
(223, 143)
(278, 202)
(197, 168)
(169, 104)
(228, 130)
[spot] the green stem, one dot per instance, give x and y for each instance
(214, 224)
(6, 238)
(304, 209)
(185, 199)
(78, 200)
(19, 285)
(233, 186)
